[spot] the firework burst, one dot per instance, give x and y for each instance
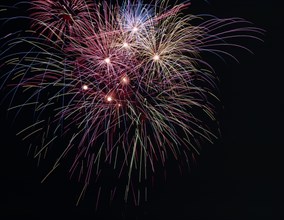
(61, 18)
(127, 85)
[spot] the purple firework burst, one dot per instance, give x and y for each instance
(125, 86)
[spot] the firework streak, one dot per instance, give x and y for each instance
(124, 87)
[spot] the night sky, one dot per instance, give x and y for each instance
(238, 177)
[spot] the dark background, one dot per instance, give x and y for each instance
(239, 177)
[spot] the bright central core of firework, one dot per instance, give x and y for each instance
(107, 60)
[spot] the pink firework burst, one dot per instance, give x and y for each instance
(61, 18)
(126, 89)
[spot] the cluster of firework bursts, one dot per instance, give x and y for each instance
(124, 85)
